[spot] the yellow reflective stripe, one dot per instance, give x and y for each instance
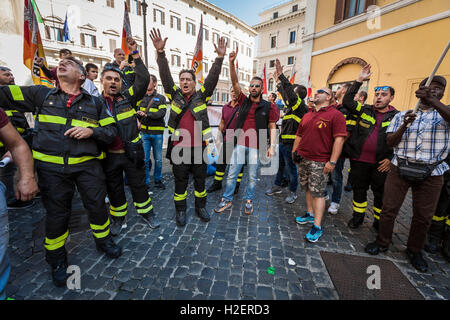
(153, 110)
(299, 101)
(180, 197)
(20, 130)
(206, 131)
(47, 158)
(118, 213)
(175, 87)
(16, 93)
(351, 122)
(87, 158)
(220, 173)
(131, 91)
(238, 180)
(156, 128)
(368, 118)
(84, 124)
(101, 235)
(447, 222)
(137, 139)
(129, 72)
(121, 208)
(361, 205)
(142, 204)
(97, 227)
(292, 116)
(176, 109)
(240, 175)
(207, 99)
(200, 194)
(218, 178)
(145, 211)
(435, 218)
(360, 210)
(358, 108)
(377, 217)
(202, 89)
(169, 96)
(59, 239)
(171, 129)
(288, 136)
(139, 103)
(106, 121)
(200, 108)
(143, 109)
(9, 113)
(52, 119)
(376, 209)
(126, 115)
(162, 106)
(385, 124)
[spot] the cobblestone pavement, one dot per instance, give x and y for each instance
(227, 258)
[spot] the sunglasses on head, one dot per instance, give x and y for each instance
(384, 88)
(255, 86)
(322, 91)
(112, 68)
(4, 69)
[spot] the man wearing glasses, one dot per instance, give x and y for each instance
(320, 137)
(369, 154)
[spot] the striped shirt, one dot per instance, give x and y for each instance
(425, 141)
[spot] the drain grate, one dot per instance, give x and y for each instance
(353, 275)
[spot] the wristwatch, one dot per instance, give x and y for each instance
(333, 163)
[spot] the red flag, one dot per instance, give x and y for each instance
(264, 80)
(197, 61)
(126, 31)
(309, 87)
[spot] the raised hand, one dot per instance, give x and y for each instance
(157, 40)
(131, 44)
(365, 73)
(222, 48)
(278, 69)
(233, 55)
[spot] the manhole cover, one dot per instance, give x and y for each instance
(366, 278)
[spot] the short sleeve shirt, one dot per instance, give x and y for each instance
(3, 118)
(227, 115)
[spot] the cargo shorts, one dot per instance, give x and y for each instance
(312, 178)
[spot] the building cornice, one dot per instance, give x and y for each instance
(297, 49)
(281, 19)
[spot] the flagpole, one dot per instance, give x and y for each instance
(144, 13)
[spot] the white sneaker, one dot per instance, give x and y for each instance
(106, 199)
(334, 207)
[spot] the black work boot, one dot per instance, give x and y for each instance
(356, 221)
(417, 260)
(216, 185)
(446, 245)
(160, 185)
(116, 225)
(434, 236)
(109, 247)
(375, 248)
(432, 245)
(151, 219)
(181, 218)
(59, 273)
(236, 190)
(202, 214)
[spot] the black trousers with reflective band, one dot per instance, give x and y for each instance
(226, 151)
(441, 218)
(115, 165)
(365, 176)
(57, 189)
(181, 174)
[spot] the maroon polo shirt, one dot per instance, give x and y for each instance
(318, 130)
(3, 118)
(227, 114)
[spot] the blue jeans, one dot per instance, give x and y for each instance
(154, 141)
(5, 267)
(287, 167)
(337, 178)
(242, 155)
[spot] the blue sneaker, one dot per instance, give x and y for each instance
(314, 234)
(307, 218)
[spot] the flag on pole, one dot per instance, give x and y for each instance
(309, 87)
(126, 31)
(66, 34)
(264, 80)
(197, 61)
(37, 12)
(293, 72)
(32, 46)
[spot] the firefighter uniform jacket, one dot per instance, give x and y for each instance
(128, 76)
(153, 123)
(124, 111)
(294, 111)
(365, 123)
(196, 105)
(18, 120)
(54, 118)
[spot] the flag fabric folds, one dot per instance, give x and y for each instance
(126, 31)
(293, 72)
(32, 46)
(197, 61)
(264, 80)
(66, 35)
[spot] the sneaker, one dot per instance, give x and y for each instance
(223, 205)
(291, 198)
(248, 209)
(334, 207)
(160, 185)
(314, 234)
(307, 218)
(274, 190)
(117, 225)
(18, 204)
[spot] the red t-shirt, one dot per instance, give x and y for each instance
(318, 129)
(369, 148)
(187, 124)
(227, 114)
(249, 135)
(3, 118)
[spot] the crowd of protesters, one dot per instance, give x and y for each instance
(93, 140)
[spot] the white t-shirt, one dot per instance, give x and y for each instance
(90, 87)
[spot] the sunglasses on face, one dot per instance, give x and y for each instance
(322, 91)
(255, 86)
(4, 69)
(385, 88)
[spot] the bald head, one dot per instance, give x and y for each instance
(119, 55)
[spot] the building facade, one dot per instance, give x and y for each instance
(96, 30)
(401, 39)
(280, 36)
